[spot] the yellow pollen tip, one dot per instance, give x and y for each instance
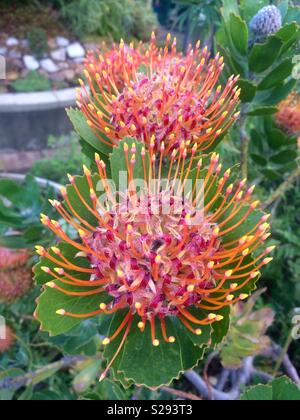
(102, 306)
(246, 252)
(46, 269)
(106, 341)
(244, 296)
(271, 249)
(102, 377)
(211, 265)
(255, 274)
(191, 288)
(198, 331)
(141, 325)
(155, 343)
(230, 298)
(228, 273)
(267, 260)
(120, 274)
(212, 317)
(171, 339)
(138, 305)
(81, 233)
(107, 130)
(61, 312)
(233, 286)
(219, 318)
(158, 259)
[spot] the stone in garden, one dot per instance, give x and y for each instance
(49, 65)
(30, 62)
(59, 55)
(24, 43)
(12, 42)
(75, 50)
(52, 44)
(62, 41)
(69, 74)
(14, 54)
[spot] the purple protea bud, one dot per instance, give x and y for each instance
(267, 21)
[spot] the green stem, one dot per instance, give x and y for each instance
(282, 355)
(283, 188)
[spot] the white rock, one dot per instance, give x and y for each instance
(75, 50)
(59, 55)
(49, 65)
(12, 42)
(30, 62)
(62, 42)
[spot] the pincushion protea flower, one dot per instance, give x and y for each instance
(288, 116)
(15, 276)
(8, 340)
(154, 264)
(159, 93)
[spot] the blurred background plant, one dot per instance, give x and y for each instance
(66, 158)
(115, 18)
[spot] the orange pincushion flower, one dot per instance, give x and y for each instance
(288, 116)
(176, 98)
(157, 264)
(7, 341)
(15, 276)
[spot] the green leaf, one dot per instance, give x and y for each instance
(230, 6)
(289, 34)
(249, 8)
(276, 138)
(86, 133)
(52, 300)
(282, 389)
(239, 33)
(266, 110)
(279, 93)
(259, 393)
(276, 76)
(264, 55)
(286, 156)
(119, 165)
(248, 90)
(151, 366)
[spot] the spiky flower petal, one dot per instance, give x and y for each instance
(144, 92)
(150, 252)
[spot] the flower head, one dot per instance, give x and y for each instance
(15, 276)
(288, 116)
(144, 92)
(156, 252)
(7, 341)
(267, 21)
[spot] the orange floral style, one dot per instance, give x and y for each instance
(7, 342)
(159, 265)
(150, 91)
(288, 116)
(15, 276)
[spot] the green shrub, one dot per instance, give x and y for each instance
(33, 82)
(38, 44)
(66, 159)
(118, 18)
